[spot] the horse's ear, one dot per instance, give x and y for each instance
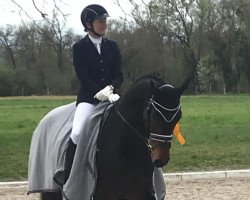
(184, 85)
(154, 89)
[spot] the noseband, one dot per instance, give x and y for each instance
(152, 136)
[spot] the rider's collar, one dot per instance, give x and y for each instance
(95, 40)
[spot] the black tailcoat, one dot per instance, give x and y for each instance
(95, 71)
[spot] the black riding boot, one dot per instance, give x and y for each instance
(70, 153)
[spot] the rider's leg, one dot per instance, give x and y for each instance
(82, 112)
(69, 157)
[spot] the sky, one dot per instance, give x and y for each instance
(9, 12)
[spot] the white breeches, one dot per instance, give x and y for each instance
(82, 112)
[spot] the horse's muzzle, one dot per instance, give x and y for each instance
(159, 163)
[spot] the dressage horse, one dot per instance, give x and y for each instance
(135, 138)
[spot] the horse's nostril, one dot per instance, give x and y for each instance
(158, 163)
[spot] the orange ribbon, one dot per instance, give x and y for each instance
(178, 134)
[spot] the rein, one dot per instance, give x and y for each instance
(144, 140)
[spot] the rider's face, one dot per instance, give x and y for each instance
(100, 26)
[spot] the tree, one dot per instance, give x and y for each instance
(230, 34)
(244, 15)
(6, 44)
(55, 21)
(174, 20)
(141, 49)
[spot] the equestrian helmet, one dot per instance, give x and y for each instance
(92, 12)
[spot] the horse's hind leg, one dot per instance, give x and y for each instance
(51, 196)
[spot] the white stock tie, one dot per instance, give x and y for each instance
(98, 47)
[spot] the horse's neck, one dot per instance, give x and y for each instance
(131, 104)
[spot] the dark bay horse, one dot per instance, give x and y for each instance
(135, 137)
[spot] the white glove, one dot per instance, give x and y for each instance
(104, 94)
(113, 98)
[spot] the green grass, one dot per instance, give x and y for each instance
(217, 133)
(216, 129)
(18, 119)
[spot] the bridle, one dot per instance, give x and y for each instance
(152, 104)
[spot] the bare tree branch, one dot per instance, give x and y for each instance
(42, 13)
(117, 2)
(56, 23)
(4, 38)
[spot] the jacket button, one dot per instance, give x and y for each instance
(101, 61)
(102, 70)
(103, 79)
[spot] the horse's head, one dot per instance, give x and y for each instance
(162, 113)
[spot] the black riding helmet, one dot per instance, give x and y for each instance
(92, 12)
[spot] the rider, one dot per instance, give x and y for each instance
(97, 62)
